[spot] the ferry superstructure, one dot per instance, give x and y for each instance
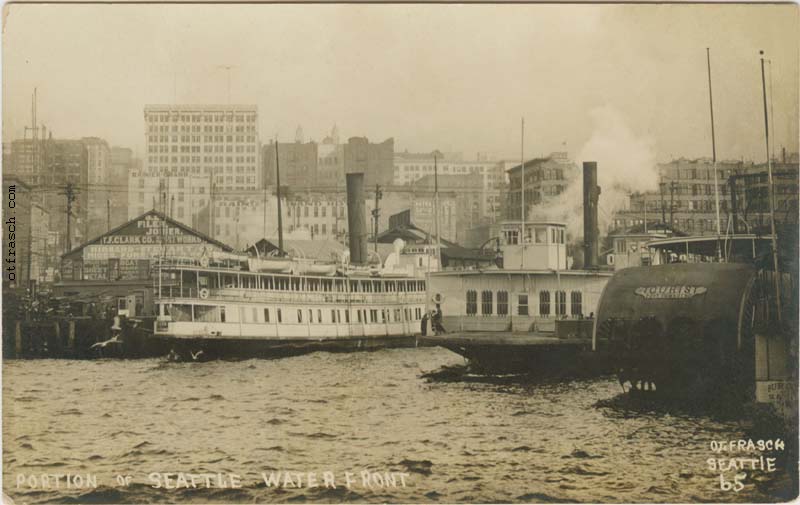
(229, 311)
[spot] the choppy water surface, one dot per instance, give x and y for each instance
(461, 441)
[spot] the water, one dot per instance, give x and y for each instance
(459, 441)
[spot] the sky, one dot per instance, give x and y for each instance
(596, 81)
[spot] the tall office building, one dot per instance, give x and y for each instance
(189, 144)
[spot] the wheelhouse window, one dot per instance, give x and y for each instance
(561, 303)
(486, 303)
(472, 302)
(522, 304)
(502, 303)
(576, 303)
(544, 303)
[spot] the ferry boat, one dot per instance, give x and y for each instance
(235, 305)
(532, 314)
(229, 311)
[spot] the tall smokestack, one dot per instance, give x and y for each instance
(591, 193)
(356, 219)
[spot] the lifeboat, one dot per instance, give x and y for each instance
(278, 265)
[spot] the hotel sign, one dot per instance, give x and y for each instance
(669, 292)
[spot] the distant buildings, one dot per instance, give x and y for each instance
(686, 198)
(310, 165)
(25, 244)
(545, 178)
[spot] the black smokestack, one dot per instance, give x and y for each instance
(591, 193)
(356, 219)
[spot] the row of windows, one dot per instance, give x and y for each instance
(559, 303)
(155, 139)
(220, 314)
(199, 117)
(313, 284)
(198, 129)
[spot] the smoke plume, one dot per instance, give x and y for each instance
(625, 164)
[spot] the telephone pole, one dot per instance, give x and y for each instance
(69, 192)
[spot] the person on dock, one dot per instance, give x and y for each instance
(424, 324)
(436, 320)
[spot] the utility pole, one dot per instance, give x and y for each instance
(672, 186)
(376, 212)
(69, 192)
(108, 215)
(661, 191)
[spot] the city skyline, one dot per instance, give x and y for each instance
(464, 93)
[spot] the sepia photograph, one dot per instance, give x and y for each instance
(400, 253)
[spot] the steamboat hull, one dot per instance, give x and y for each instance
(527, 354)
(141, 343)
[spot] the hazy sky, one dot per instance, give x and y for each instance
(452, 77)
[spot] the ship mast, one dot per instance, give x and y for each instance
(771, 195)
(522, 192)
(714, 152)
(278, 182)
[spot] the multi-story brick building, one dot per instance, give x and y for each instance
(298, 164)
(686, 198)
(545, 178)
(375, 161)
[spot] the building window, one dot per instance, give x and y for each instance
(561, 303)
(576, 303)
(502, 303)
(522, 305)
(486, 303)
(544, 303)
(472, 302)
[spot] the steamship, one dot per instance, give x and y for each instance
(230, 305)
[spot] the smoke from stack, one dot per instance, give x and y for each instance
(628, 166)
(356, 219)
(591, 194)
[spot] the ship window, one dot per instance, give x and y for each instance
(180, 312)
(358, 315)
(486, 303)
(383, 316)
(266, 315)
(333, 316)
(347, 316)
(206, 313)
(311, 316)
(544, 303)
(576, 303)
(397, 315)
(280, 315)
(472, 302)
(561, 303)
(222, 314)
(299, 315)
(502, 303)
(522, 305)
(511, 237)
(373, 315)
(319, 315)
(541, 235)
(255, 315)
